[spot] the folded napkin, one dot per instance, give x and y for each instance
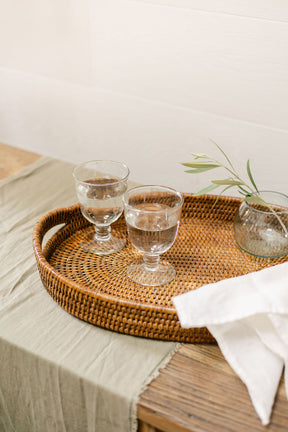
(248, 316)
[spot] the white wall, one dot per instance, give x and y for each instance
(148, 82)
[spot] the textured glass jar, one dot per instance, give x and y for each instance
(263, 231)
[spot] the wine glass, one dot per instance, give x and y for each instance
(152, 216)
(100, 185)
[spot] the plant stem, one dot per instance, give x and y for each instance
(236, 176)
(276, 215)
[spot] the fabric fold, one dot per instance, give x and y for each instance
(248, 317)
(56, 371)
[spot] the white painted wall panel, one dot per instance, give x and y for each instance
(228, 65)
(49, 37)
(78, 123)
(262, 9)
(148, 81)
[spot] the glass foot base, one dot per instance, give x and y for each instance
(115, 243)
(164, 273)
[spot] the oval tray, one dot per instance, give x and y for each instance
(96, 288)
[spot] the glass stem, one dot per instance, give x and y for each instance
(102, 233)
(151, 262)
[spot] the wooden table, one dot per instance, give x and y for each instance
(197, 391)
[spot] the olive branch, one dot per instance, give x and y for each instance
(202, 163)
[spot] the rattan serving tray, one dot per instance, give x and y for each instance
(96, 288)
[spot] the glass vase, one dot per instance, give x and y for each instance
(261, 230)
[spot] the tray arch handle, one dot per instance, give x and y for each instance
(54, 218)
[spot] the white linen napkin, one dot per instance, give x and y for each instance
(248, 316)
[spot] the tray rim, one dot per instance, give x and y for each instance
(71, 282)
(69, 294)
(39, 251)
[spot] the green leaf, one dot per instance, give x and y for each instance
(256, 200)
(243, 193)
(199, 165)
(228, 181)
(251, 177)
(221, 193)
(224, 154)
(206, 190)
(202, 162)
(198, 170)
(244, 190)
(200, 156)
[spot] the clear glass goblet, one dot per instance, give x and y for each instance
(100, 186)
(152, 216)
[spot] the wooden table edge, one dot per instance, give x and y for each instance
(164, 406)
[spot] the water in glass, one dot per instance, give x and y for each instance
(151, 232)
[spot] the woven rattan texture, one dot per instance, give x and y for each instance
(96, 288)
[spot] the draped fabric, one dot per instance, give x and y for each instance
(58, 373)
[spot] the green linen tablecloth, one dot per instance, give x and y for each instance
(58, 373)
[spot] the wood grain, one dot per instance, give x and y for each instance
(197, 391)
(13, 159)
(144, 427)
